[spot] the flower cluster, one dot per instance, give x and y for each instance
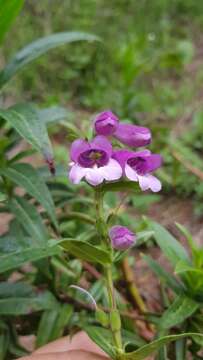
(96, 161)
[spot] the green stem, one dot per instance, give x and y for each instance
(115, 322)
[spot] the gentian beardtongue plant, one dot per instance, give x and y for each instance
(138, 166)
(93, 161)
(121, 237)
(106, 123)
(96, 162)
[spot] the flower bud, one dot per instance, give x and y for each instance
(106, 123)
(132, 135)
(121, 237)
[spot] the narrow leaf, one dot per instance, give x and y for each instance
(30, 219)
(38, 48)
(16, 259)
(181, 309)
(9, 9)
(25, 119)
(171, 248)
(154, 346)
(103, 338)
(19, 289)
(164, 275)
(25, 176)
(21, 306)
(86, 251)
(52, 324)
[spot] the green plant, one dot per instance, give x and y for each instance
(184, 309)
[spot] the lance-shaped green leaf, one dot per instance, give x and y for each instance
(181, 309)
(86, 251)
(21, 306)
(164, 275)
(52, 324)
(154, 346)
(25, 176)
(52, 115)
(25, 119)
(171, 248)
(19, 289)
(9, 9)
(38, 48)
(30, 220)
(103, 338)
(15, 259)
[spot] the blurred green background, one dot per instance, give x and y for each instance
(148, 70)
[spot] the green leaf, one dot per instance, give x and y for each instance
(85, 251)
(180, 348)
(3, 197)
(25, 119)
(4, 343)
(53, 114)
(16, 259)
(187, 235)
(183, 267)
(25, 176)
(46, 325)
(9, 9)
(52, 324)
(154, 346)
(103, 338)
(21, 306)
(65, 313)
(30, 219)
(19, 289)
(182, 308)
(164, 275)
(38, 48)
(171, 248)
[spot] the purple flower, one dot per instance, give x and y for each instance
(121, 237)
(132, 135)
(106, 123)
(93, 161)
(138, 166)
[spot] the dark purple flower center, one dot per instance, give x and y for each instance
(139, 164)
(93, 157)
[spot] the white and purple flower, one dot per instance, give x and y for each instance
(93, 161)
(138, 166)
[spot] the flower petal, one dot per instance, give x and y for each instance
(111, 171)
(100, 142)
(149, 182)
(93, 176)
(130, 173)
(133, 135)
(76, 173)
(122, 156)
(153, 162)
(144, 182)
(78, 146)
(154, 183)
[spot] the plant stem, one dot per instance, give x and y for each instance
(133, 290)
(115, 322)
